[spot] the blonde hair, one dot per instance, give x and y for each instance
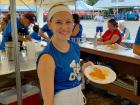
(121, 22)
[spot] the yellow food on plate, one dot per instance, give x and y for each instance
(113, 46)
(99, 74)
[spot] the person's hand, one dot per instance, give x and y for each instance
(85, 65)
(27, 37)
(46, 39)
(100, 43)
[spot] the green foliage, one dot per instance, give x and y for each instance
(92, 2)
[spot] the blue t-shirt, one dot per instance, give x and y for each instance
(45, 28)
(67, 66)
(8, 30)
(79, 34)
(35, 36)
(137, 40)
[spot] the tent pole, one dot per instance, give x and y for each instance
(16, 49)
(117, 9)
(75, 5)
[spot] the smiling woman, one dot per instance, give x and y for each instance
(58, 65)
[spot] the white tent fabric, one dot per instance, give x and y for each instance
(117, 3)
(98, 9)
(102, 4)
(80, 6)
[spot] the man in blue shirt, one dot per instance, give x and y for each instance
(136, 48)
(22, 28)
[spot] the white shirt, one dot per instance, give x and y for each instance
(99, 20)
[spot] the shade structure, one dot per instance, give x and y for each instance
(117, 3)
(80, 6)
(47, 3)
(18, 8)
(3, 8)
(18, 2)
(98, 9)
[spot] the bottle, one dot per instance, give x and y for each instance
(83, 38)
(95, 41)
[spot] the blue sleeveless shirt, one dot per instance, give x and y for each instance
(67, 66)
(137, 40)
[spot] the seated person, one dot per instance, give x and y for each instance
(112, 35)
(77, 28)
(136, 47)
(124, 31)
(22, 27)
(34, 34)
(46, 29)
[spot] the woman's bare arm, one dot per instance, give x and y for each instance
(46, 69)
(136, 49)
(42, 34)
(76, 30)
(112, 40)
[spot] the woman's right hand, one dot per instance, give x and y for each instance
(85, 65)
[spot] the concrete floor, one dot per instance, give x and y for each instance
(89, 27)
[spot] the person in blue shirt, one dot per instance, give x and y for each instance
(136, 46)
(4, 21)
(34, 34)
(48, 31)
(77, 28)
(58, 66)
(22, 28)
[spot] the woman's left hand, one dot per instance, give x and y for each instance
(100, 43)
(85, 65)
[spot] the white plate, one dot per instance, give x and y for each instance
(108, 79)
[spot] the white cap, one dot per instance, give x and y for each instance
(57, 8)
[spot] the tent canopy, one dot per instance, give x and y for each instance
(117, 3)
(98, 9)
(47, 3)
(18, 2)
(80, 6)
(19, 8)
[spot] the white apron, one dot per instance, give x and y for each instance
(72, 96)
